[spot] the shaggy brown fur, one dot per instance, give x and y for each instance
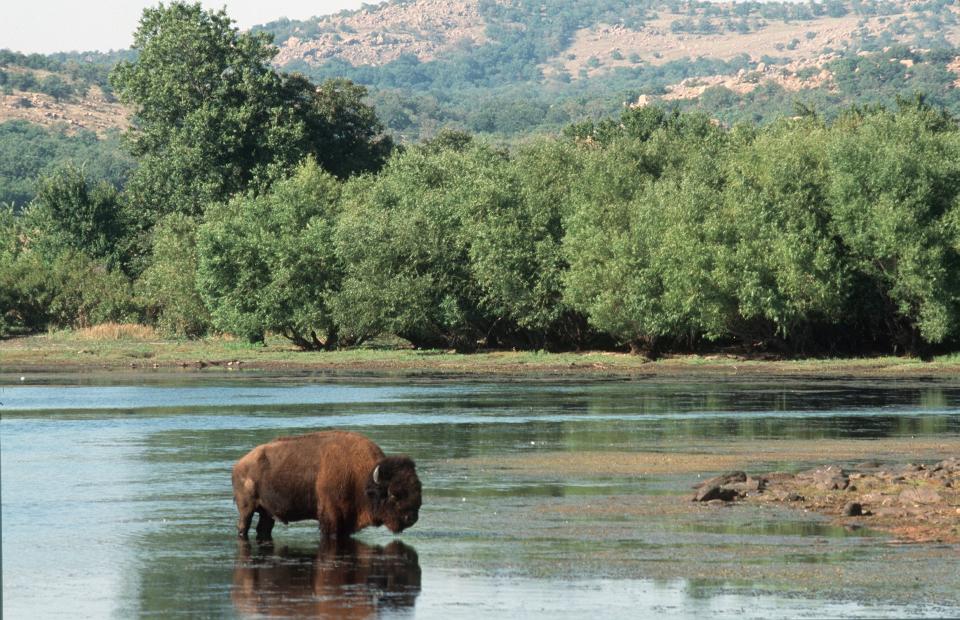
(341, 479)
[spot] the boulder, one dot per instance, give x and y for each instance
(852, 509)
(837, 483)
(722, 479)
(920, 495)
(779, 476)
(952, 465)
(750, 485)
(909, 468)
(715, 491)
(786, 496)
(828, 478)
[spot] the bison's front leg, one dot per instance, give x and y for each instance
(244, 495)
(246, 517)
(333, 523)
(328, 524)
(265, 525)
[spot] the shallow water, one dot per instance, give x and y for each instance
(116, 500)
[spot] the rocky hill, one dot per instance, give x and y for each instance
(92, 111)
(512, 67)
(72, 95)
(425, 29)
(548, 62)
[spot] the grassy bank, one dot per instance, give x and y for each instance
(136, 348)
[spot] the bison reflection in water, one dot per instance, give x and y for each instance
(341, 479)
(345, 578)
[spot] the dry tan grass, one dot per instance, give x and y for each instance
(657, 44)
(117, 331)
(92, 111)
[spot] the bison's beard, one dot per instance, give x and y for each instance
(396, 523)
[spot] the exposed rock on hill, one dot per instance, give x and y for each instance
(92, 111)
(425, 29)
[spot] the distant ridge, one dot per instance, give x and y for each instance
(515, 67)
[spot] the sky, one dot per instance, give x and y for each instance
(84, 25)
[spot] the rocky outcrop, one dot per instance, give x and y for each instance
(727, 487)
(914, 501)
(92, 111)
(381, 34)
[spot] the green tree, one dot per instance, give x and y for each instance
(209, 115)
(642, 240)
(73, 213)
(895, 180)
(29, 151)
(212, 118)
(168, 286)
(345, 135)
(56, 87)
(405, 248)
(83, 292)
(46, 282)
(779, 259)
(516, 242)
(23, 298)
(267, 262)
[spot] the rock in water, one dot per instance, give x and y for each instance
(852, 509)
(715, 491)
(727, 478)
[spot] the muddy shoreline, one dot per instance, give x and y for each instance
(915, 502)
(907, 488)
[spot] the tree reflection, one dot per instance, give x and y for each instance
(341, 579)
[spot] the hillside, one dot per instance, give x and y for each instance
(508, 68)
(511, 66)
(66, 91)
(429, 29)
(56, 109)
(92, 111)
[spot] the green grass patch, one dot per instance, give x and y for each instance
(77, 350)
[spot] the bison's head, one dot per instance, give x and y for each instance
(394, 492)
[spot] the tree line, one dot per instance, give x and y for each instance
(264, 204)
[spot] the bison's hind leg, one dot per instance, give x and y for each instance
(265, 525)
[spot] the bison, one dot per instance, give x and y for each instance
(341, 479)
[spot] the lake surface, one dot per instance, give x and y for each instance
(116, 499)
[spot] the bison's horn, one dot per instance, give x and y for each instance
(376, 475)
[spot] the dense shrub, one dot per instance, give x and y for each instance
(405, 248)
(168, 286)
(893, 194)
(267, 263)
